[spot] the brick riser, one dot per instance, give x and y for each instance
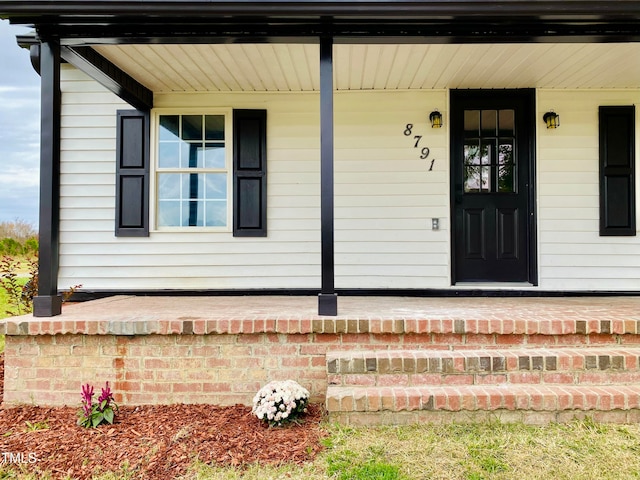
(487, 397)
(536, 385)
(515, 403)
(588, 366)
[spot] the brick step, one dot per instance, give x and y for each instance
(549, 398)
(558, 323)
(589, 365)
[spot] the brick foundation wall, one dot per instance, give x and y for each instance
(159, 369)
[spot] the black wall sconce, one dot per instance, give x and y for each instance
(552, 119)
(435, 118)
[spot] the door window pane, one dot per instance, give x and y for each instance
(472, 166)
(505, 178)
(472, 179)
(471, 123)
(485, 178)
(506, 167)
(477, 179)
(506, 120)
(472, 152)
(485, 173)
(485, 154)
(489, 123)
(477, 167)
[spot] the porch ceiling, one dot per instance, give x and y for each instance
(295, 67)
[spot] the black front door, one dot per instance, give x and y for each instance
(492, 185)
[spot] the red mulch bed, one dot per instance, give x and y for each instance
(157, 442)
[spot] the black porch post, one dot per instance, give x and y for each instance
(327, 300)
(48, 303)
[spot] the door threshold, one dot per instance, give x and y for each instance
(494, 285)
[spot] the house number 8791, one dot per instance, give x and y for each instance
(424, 151)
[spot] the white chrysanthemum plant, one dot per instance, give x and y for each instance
(280, 402)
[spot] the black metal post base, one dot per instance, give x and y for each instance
(47, 305)
(328, 304)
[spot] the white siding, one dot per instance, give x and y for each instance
(92, 256)
(385, 194)
(385, 197)
(572, 255)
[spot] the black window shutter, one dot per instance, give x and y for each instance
(132, 174)
(617, 171)
(249, 173)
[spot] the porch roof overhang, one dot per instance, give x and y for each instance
(370, 21)
(135, 43)
(126, 36)
(348, 9)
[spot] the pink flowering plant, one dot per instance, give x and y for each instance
(92, 414)
(280, 402)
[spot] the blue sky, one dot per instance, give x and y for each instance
(19, 129)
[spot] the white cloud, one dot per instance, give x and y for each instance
(19, 195)
(20, 101)
(14, 89)
(16, 179)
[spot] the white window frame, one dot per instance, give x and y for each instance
(155, 170)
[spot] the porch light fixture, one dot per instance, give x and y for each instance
(435, 118)
(552, 119)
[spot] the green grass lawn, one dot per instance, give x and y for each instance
(574, 451)
(581, 450)
(5, 305)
